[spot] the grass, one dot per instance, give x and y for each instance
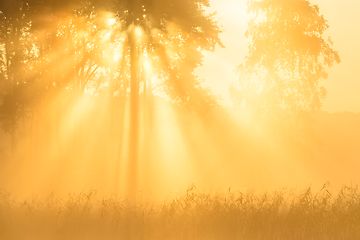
(279, 215)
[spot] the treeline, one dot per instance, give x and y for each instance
(137, 49)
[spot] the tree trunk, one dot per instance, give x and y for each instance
(134, 118)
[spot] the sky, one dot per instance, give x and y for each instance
(343, 84)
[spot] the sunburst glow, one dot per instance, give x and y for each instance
(111, 21)
(141, 101)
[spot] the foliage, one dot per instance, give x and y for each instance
(18, 56)
(47, 47)
(288, 55)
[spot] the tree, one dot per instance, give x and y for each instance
(171, 34)
(163, 37)
(18, 52)
(167, 37)
(288, 57)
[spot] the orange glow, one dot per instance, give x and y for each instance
(111, 21)
(141, 100)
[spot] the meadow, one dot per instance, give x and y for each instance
(110, 109)
(308, 214)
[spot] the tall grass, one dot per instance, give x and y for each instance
(279, 215)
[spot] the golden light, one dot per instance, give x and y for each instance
(117, 56)
(133, 107)
(147, 63)
(106, 36)
(111, 21)
(139, 33)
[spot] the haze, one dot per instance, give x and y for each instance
(147, 104)
(343, 84)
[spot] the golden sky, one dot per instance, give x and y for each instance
(343, 84)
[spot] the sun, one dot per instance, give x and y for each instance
(111, 21)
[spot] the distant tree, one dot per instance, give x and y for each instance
(288, 57)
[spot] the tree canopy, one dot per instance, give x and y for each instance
(289, 54)
(72, 44)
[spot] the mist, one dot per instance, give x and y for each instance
(127, 116)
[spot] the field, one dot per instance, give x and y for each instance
(111, 109)
(279, 215)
